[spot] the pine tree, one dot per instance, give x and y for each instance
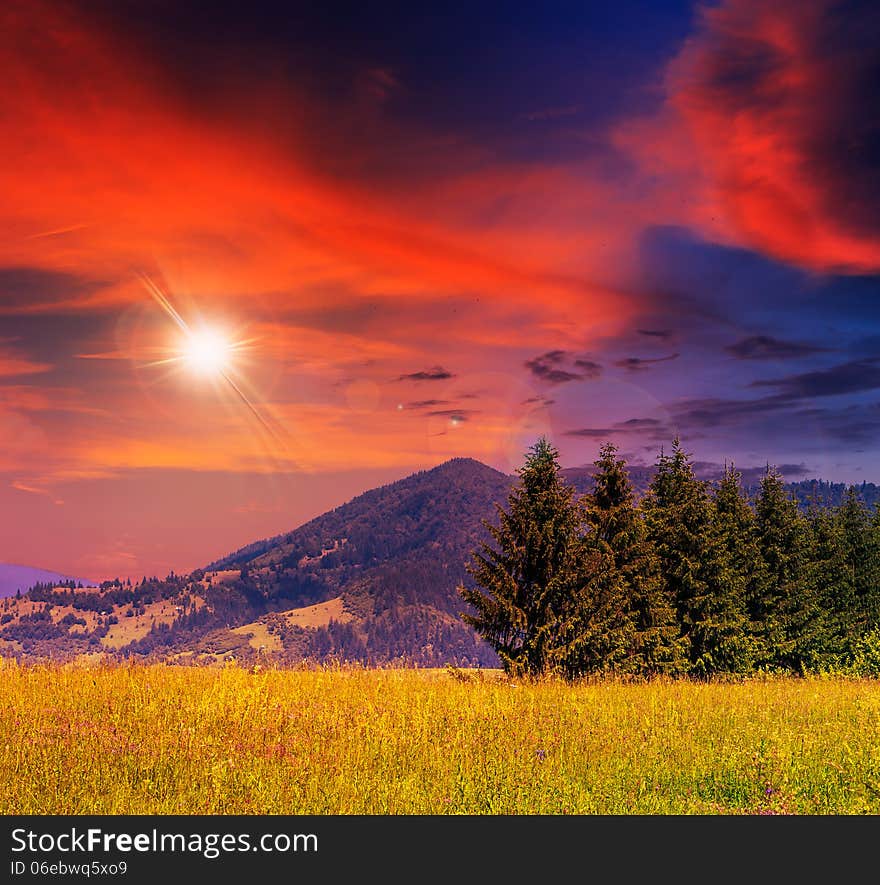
(616, 532)
(861, 543)
(831, 586)
(722, 631)
(532, 576)
(677, 516)
(784, 605)
(870, 602)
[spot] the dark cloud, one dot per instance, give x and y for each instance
(639, 424)
(650, 428)
(554, 356)
(589, 368)
(539, 400)
(30, 286)
(554, 376)
(437, 373)
(457, 416)
(546, 368)
(715, 412)
(591, 432)
(764, 347)
(637, 364)
(858, 421)
(426, 404)
(57, 336)
(852, 377)
(661, 334)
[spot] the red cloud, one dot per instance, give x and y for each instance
(781, 103)
(110, 168)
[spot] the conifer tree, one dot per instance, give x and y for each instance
(861, 544)
(870, 602)
(830, 584)
(677, 516)
(616, 532)
(722, 636)
(534, 572)
(784, 605)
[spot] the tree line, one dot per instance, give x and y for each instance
(693, 579)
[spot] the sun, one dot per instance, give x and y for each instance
(207, 352)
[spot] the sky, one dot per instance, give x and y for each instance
(416, 232)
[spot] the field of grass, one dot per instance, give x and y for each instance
(166, 740)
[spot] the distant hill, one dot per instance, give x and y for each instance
(22, 577)
(373, 580)
(805, 491)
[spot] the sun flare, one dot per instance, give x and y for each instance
(207, 352)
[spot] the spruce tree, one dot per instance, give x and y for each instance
(870, 603)
(529, 579)
(722, 636)
(677, 516)
(647, 637)
(830, 584)
(861, 544)
(784, 605)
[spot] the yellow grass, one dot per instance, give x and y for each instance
(318, 615)
(166, 739)
(260, 637)
(228, 576)
(138, 626)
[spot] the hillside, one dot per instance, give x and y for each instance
(373, 580)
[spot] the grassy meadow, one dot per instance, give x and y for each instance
(171, 740)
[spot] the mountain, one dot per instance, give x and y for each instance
(22, 577)
(373, 580)
(394, 556)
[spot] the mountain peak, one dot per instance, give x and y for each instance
(463, 465)
(465, 476)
